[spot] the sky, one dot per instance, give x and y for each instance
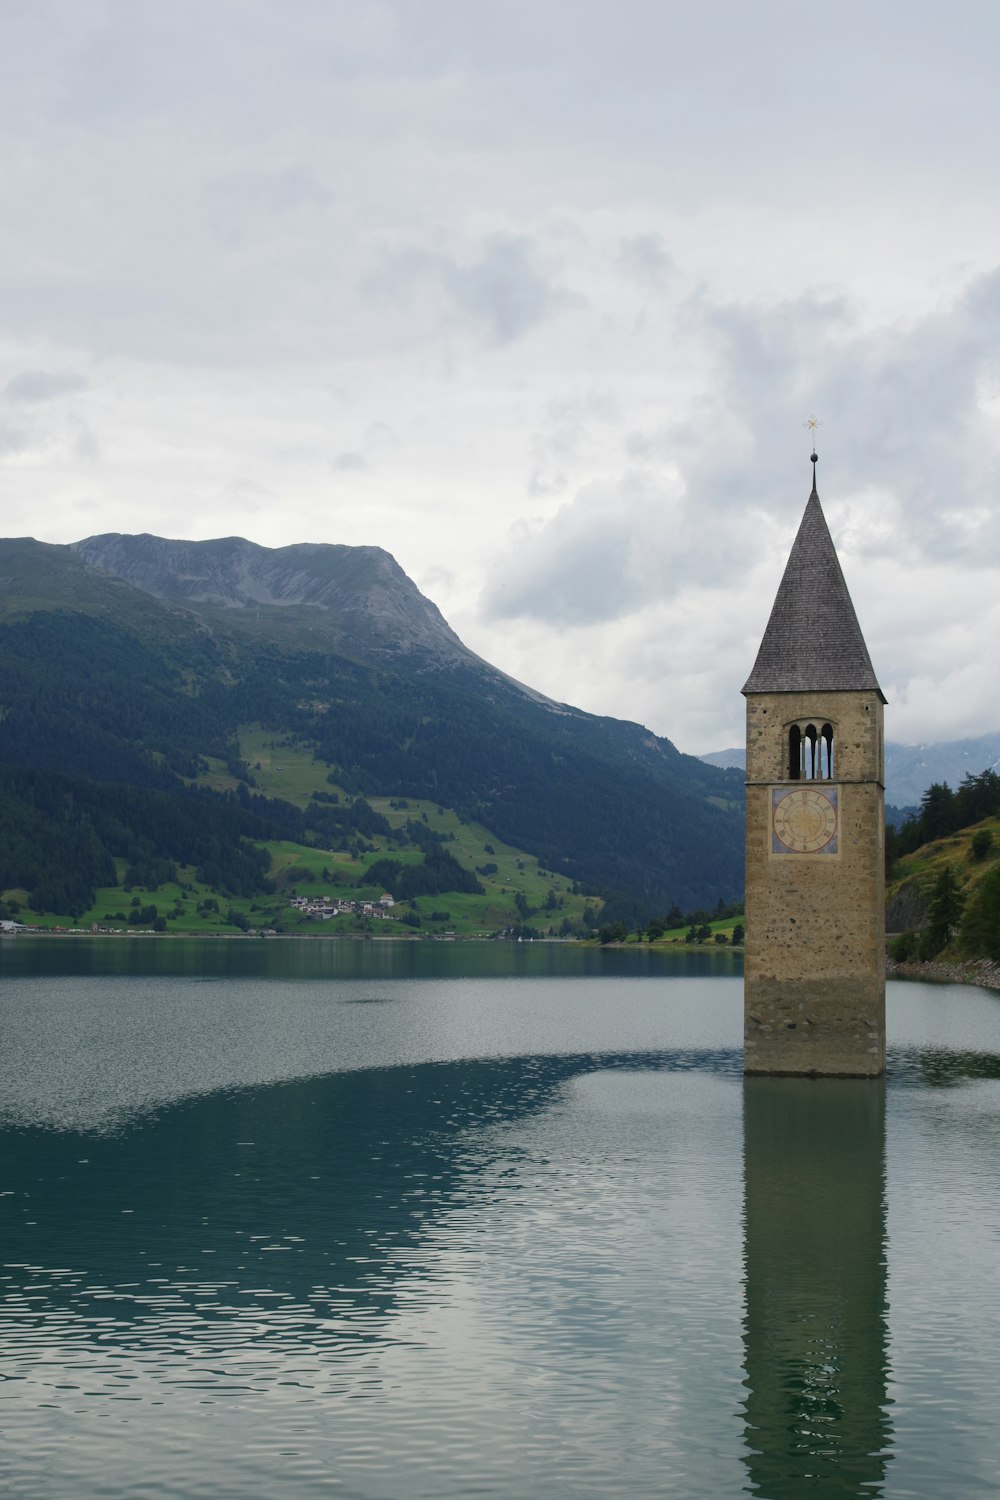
(538, 296)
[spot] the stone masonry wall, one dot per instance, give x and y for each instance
(815, 934)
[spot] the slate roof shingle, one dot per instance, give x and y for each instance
(813, 642)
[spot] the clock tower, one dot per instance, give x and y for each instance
(815, 885)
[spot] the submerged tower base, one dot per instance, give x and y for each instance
(827, 1029)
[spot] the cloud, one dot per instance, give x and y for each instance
(597, 559)
(570, 435)
(244, 496)
(44, 434)
(505, 288)
(504, 291)
(43, 385)
(248, 205)
(570, 286)
(904, 412)
(644, 258)
(688, 542)
(13, 439)
(909, 417)
(85, 445)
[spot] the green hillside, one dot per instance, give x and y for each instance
(210, 858)
(130, 715)
(943, 892)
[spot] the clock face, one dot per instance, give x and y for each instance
(804, 821)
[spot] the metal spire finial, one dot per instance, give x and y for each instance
(811, 425)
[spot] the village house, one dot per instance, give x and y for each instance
(323, 908)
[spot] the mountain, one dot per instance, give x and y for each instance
(736, 758)
(911, 769)
(357, 598)
(136, 661)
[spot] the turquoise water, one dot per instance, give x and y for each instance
(432, 1220)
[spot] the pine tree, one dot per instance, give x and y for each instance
(981, 924)
(944, 914)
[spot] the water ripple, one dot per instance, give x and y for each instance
(534, 1270)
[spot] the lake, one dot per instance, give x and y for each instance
(443, 1220)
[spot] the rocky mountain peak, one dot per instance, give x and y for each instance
(361, 592)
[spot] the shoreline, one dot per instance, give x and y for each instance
(980, 971)
(983, 972)
(272, 937)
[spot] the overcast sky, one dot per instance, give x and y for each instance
(537, 296)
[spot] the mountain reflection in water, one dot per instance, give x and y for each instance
(315, 1193)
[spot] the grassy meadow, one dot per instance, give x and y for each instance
(280, 768)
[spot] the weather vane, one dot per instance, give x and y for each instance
(811, 426)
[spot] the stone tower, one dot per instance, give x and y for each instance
(815, 883)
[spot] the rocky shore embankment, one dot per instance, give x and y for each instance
(971, 971)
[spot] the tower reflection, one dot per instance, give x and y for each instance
(815, 1333)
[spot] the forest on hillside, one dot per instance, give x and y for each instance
(95, 700)
(943, 866)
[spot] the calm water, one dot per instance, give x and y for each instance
(428, 1221)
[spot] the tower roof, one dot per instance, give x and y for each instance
(813, 642)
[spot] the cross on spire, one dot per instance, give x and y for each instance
(811, 425)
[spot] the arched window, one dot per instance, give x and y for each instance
(826, 752)
(810, 752)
